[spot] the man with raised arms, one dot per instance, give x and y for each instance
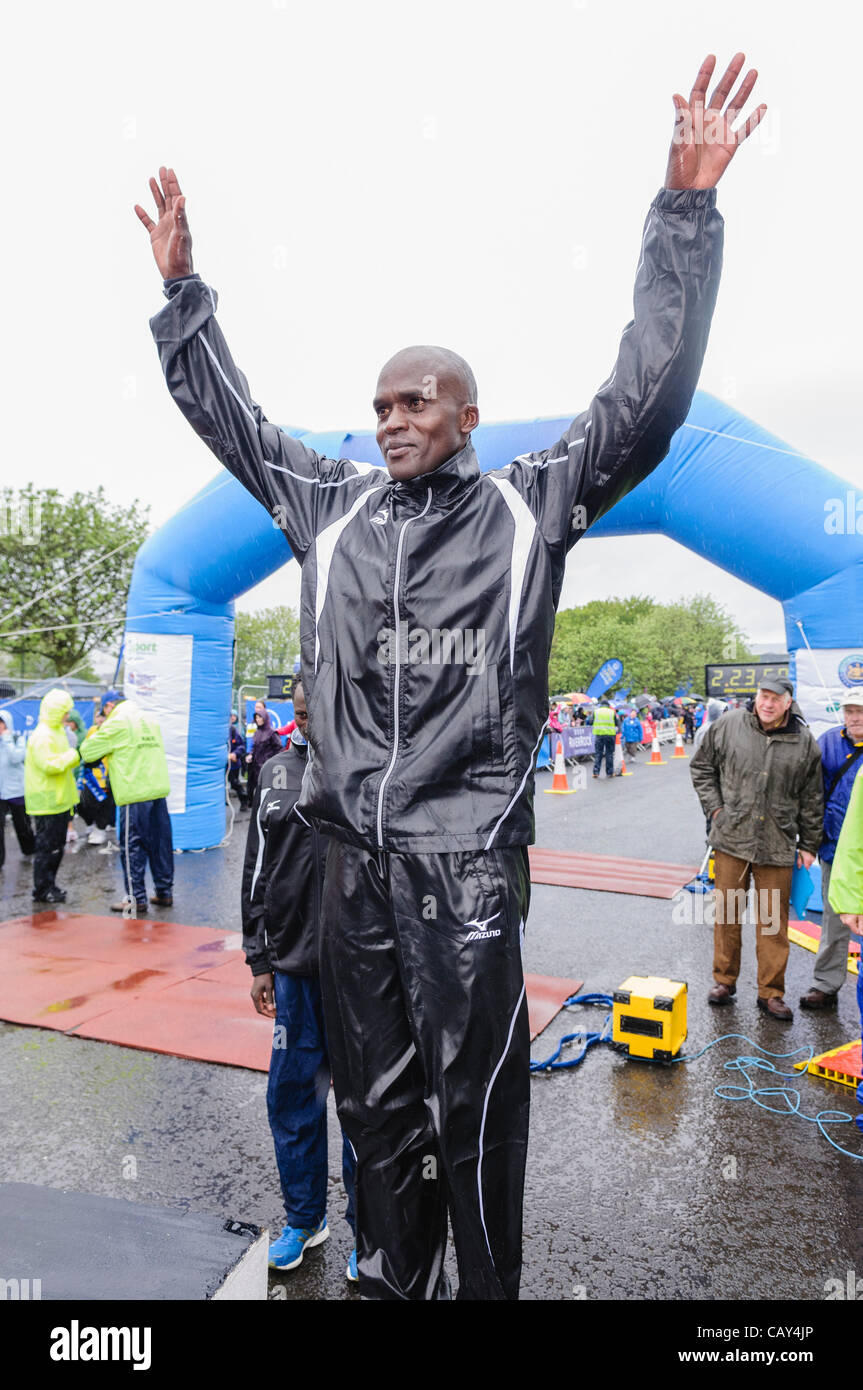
(421, 770)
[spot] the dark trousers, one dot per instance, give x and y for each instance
(145, 837)
(429, 1046)
(50, 840)
(297, 1091)
(859, 1119)
(23, 828)
(236, 784)
(604, 747)
(94, 812)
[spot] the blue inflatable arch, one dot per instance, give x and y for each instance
(727, 490)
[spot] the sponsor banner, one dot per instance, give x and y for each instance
(25, 712)
(577, 742)
(158, 677)
(824, 679)
(608, 675)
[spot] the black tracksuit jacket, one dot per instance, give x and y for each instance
(283, 873)
(428, 606)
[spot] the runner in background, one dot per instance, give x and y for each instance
(283, 876)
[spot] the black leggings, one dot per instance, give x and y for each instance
(23, 829)
(50, 844)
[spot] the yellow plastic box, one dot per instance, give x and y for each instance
(649, 1017)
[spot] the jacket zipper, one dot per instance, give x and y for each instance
(316, 865)
(396, 584)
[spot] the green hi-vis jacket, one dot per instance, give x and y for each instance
(133, 740)
(603, 721)
(846, 875)
(49, 763)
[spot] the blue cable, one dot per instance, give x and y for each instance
(790, 1096)
(590, 1039)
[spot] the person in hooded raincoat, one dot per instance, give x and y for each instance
(50, 792)
(12, 753)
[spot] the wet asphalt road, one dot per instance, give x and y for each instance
(641, 1183)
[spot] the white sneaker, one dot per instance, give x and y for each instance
(97, 837)
(71, 836)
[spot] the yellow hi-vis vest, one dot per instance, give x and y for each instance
(603, 721)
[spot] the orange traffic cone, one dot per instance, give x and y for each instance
(559, 785)
(623, 771)
(679, 750)
(656, 758)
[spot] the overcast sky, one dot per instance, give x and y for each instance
(360, 176)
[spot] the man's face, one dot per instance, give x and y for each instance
(771, 707)
(300, 711)
(854, 722)
(107, 707)
(420, 420)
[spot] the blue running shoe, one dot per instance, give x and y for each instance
(351, 1271)
(287, 1252)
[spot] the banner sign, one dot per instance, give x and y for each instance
(824, 679)
(25, 712)
(577, 742)
(281, 711)
(158, 677)
(608, 675)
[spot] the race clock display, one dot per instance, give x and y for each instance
(742, 679)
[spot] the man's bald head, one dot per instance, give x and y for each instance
(425, 405)
(440, 367)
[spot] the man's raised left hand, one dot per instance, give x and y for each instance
(703, 143)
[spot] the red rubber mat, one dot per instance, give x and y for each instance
(159, 986)
(546, 996)
(843, 1064)
(645, 878)
(808, 935)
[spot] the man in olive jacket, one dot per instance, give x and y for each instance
(758, 777)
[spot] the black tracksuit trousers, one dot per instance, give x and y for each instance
(50, 841)
(429, 1045)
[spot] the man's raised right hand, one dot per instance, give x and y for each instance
(170, 237)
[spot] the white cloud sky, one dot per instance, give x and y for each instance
(361, 176)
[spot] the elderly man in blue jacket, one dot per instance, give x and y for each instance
(841, 760)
